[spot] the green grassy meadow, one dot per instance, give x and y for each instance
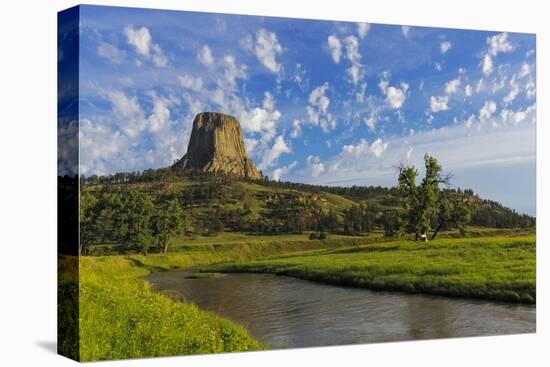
(497, 268)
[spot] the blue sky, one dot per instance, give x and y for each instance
(325, 102)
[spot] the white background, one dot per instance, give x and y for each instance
(28, 182)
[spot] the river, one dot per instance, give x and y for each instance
(286, 312)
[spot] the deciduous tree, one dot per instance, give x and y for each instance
(168, 221)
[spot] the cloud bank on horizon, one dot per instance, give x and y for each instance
(325, 102)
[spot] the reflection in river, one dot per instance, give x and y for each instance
(289, 312)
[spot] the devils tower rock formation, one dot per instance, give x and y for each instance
(217, 145)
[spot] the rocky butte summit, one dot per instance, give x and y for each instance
(217, 146)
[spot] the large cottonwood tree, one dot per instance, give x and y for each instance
(427, 203)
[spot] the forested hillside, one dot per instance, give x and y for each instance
(115, 209)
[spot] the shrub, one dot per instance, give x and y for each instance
(313, 236)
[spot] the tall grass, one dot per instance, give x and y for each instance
(120, 317)
(495, 268)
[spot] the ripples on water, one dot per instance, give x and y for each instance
(289, 312)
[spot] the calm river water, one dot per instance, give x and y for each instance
(287, 312)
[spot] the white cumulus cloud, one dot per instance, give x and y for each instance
(363, 29)
(110, 52)
(160, 116)
(356, 151)
(279, 172)
(378, 148)
(527, 115)
(205, 56)
(440, 103)
(130, 116)
(530, 89)
(261, 120)
(266, 47)
(525, 70)
(514, 91)
(499, 43)
(190, 82)
(351, 154)
(317, 110)
(395, 97)
(496, 44)
(296, 129)
(335, 48)
(140, 38)
(350, 45)
(271, 155)
(315, 165)
(451, 87)
(487, 64)
(488, 109)
(352, 49)
(99, 145)
(373, 116)
(360, 94)
(445, 46)
(132, 136)
(232, 72)
(355, 71)
(142, 41)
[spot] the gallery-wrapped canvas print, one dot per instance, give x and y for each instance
(235, 183)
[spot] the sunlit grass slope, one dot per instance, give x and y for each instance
(497, 268)
(120, 317)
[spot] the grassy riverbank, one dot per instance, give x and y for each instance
(120, 317)
(495, 268)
